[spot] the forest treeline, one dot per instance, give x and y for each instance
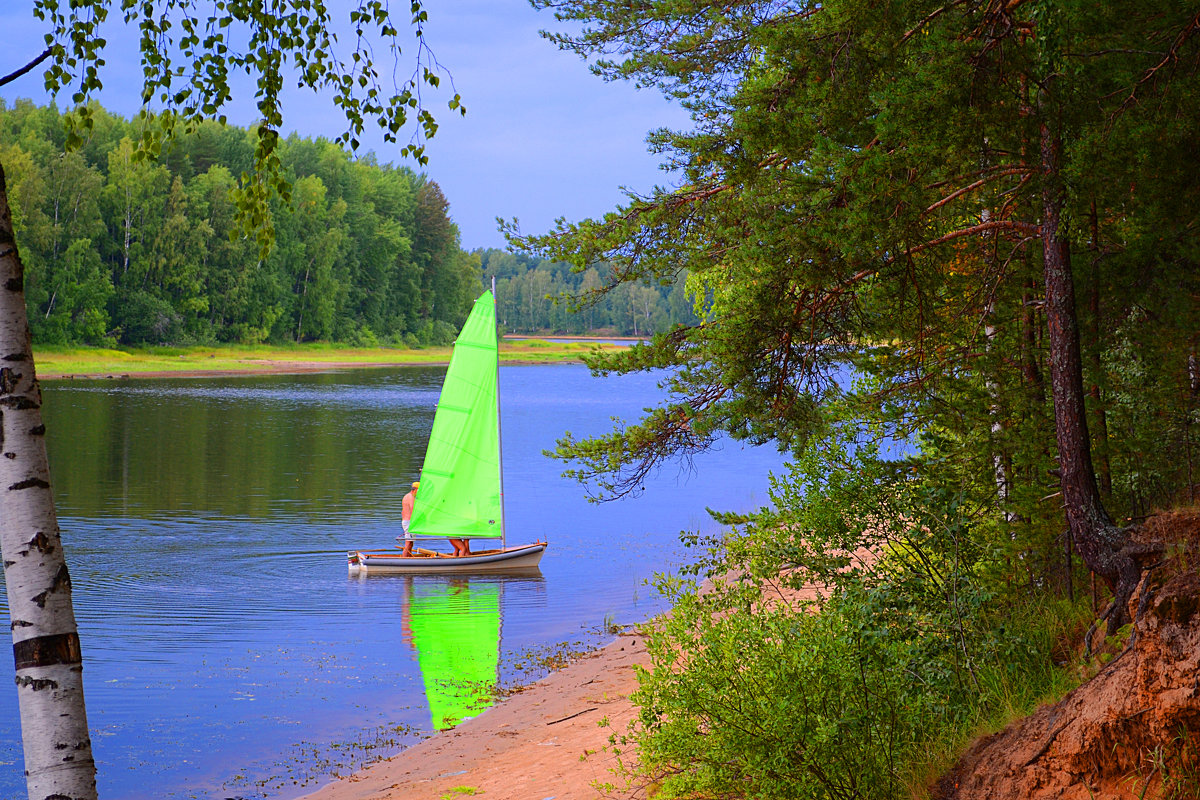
(536, 295)
(134, 251)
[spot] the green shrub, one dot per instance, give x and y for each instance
(917, 644)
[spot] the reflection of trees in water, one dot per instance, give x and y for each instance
(242, 447)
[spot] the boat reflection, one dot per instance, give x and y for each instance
(453, 625)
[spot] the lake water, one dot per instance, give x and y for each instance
(227, 654)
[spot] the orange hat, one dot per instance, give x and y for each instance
(416, 484)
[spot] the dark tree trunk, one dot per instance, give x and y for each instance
(1099, 542)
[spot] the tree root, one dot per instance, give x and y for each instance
(1117, 613)
(1131, 567)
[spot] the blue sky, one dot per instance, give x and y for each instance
(542, 137)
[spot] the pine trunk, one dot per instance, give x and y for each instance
(1099, 542)
(49, 664)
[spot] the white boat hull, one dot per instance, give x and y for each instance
(524, 557)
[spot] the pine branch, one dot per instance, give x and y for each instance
(920, 25)
(1027, 228)
(1189, 30)
(964, 190)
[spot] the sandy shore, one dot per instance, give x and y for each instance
(544, 743)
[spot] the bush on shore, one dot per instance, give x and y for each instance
(916, 638)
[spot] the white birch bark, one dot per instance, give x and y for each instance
(1003, 486)
(49, 665)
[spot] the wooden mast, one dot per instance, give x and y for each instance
(499, 436)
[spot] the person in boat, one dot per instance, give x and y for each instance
(462, 547)
(406, 509)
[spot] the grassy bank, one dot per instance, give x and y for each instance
(63, 362)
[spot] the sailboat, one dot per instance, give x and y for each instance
(462, 484)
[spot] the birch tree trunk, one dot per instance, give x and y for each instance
(49, 663)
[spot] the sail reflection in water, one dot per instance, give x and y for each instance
(452, 623)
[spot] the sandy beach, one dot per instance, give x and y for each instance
(544, 743)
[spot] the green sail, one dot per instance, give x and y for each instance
(456, 632)
(459, 495)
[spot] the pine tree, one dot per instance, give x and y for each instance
(890, 186)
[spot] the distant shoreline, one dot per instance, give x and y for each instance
(55, 364)
(556, 337)
(261, 368)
